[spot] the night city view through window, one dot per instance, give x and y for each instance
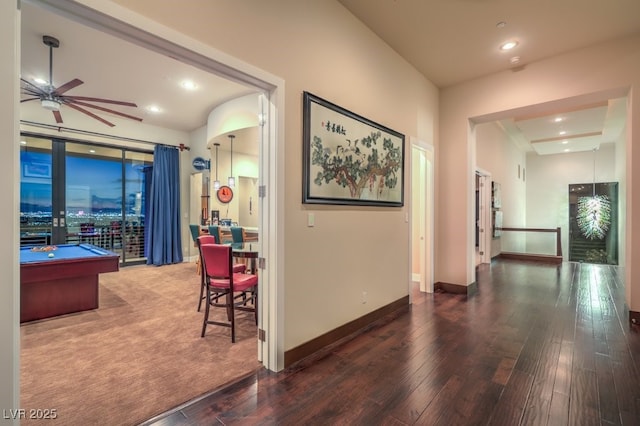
(93, 189)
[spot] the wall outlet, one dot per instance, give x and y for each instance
(364, 297)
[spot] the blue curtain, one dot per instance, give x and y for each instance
(163, 241)
(148, 174)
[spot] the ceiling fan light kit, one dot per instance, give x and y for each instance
(52, 98)
(50, 104)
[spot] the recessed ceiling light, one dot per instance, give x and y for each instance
(567, 150)
(188, 85)
(154, 109)
(40, 81)
(515, 60)
(508, 45)
(501, 24)
(92, 151)
(23, 142)
(562, 132)
(565, 142)
(558, 119)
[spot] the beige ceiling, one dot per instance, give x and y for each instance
(116, 69)
(452, 41)
(449, 41)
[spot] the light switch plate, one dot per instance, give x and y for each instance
(311, 219)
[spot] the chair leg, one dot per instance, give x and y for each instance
(206, 312)
(202, 285)
(232, 317)
(230, 303)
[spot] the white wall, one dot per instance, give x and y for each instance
(334, 56)
(548, 180)
(497, 154)
(244, 165)
(605, 71)
(350, 250)
(621, 177)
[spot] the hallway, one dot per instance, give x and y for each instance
(537, 345)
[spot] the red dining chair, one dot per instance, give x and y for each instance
(237, 267)
(222, 284)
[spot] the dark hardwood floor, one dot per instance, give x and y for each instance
(537, 345)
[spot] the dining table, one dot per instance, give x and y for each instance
(248, 250)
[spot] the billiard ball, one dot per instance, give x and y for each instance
(50, 254)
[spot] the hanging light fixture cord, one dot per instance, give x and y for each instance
(594, 213)
(594, 173)
(232, 180)
(216, 183)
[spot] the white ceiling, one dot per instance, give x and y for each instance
(449, 41)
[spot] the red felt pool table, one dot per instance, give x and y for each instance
(64, 283)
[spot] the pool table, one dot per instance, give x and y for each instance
(64, 283)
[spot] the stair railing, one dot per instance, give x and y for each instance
(556, 258)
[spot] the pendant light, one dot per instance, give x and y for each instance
(232, 180)
(216, 183)
(594, 213)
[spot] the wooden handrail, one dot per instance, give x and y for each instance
(556, 230)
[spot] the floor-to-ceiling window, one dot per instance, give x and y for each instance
(75, 192)
(35, 191)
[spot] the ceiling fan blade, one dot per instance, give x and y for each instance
(111, 111)
(102, 100)
(90, 114)
(31, 91)
(33, 88)
(28, 99)
(67, 86)
(58, 116)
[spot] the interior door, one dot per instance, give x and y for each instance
(422, 216)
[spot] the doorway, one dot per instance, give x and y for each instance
(422, 215)
(143, 34)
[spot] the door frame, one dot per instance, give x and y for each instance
(117, 20)
(423, 197)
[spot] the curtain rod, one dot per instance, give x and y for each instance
(181, 147)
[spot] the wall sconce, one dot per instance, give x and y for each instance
(216, 183)
(232, 180)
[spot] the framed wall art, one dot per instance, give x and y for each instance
(348, 159)
(496, 195)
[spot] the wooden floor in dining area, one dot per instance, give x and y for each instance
(536, 345)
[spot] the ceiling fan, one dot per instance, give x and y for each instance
(53, 98)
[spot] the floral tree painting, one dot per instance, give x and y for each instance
(349, 159)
